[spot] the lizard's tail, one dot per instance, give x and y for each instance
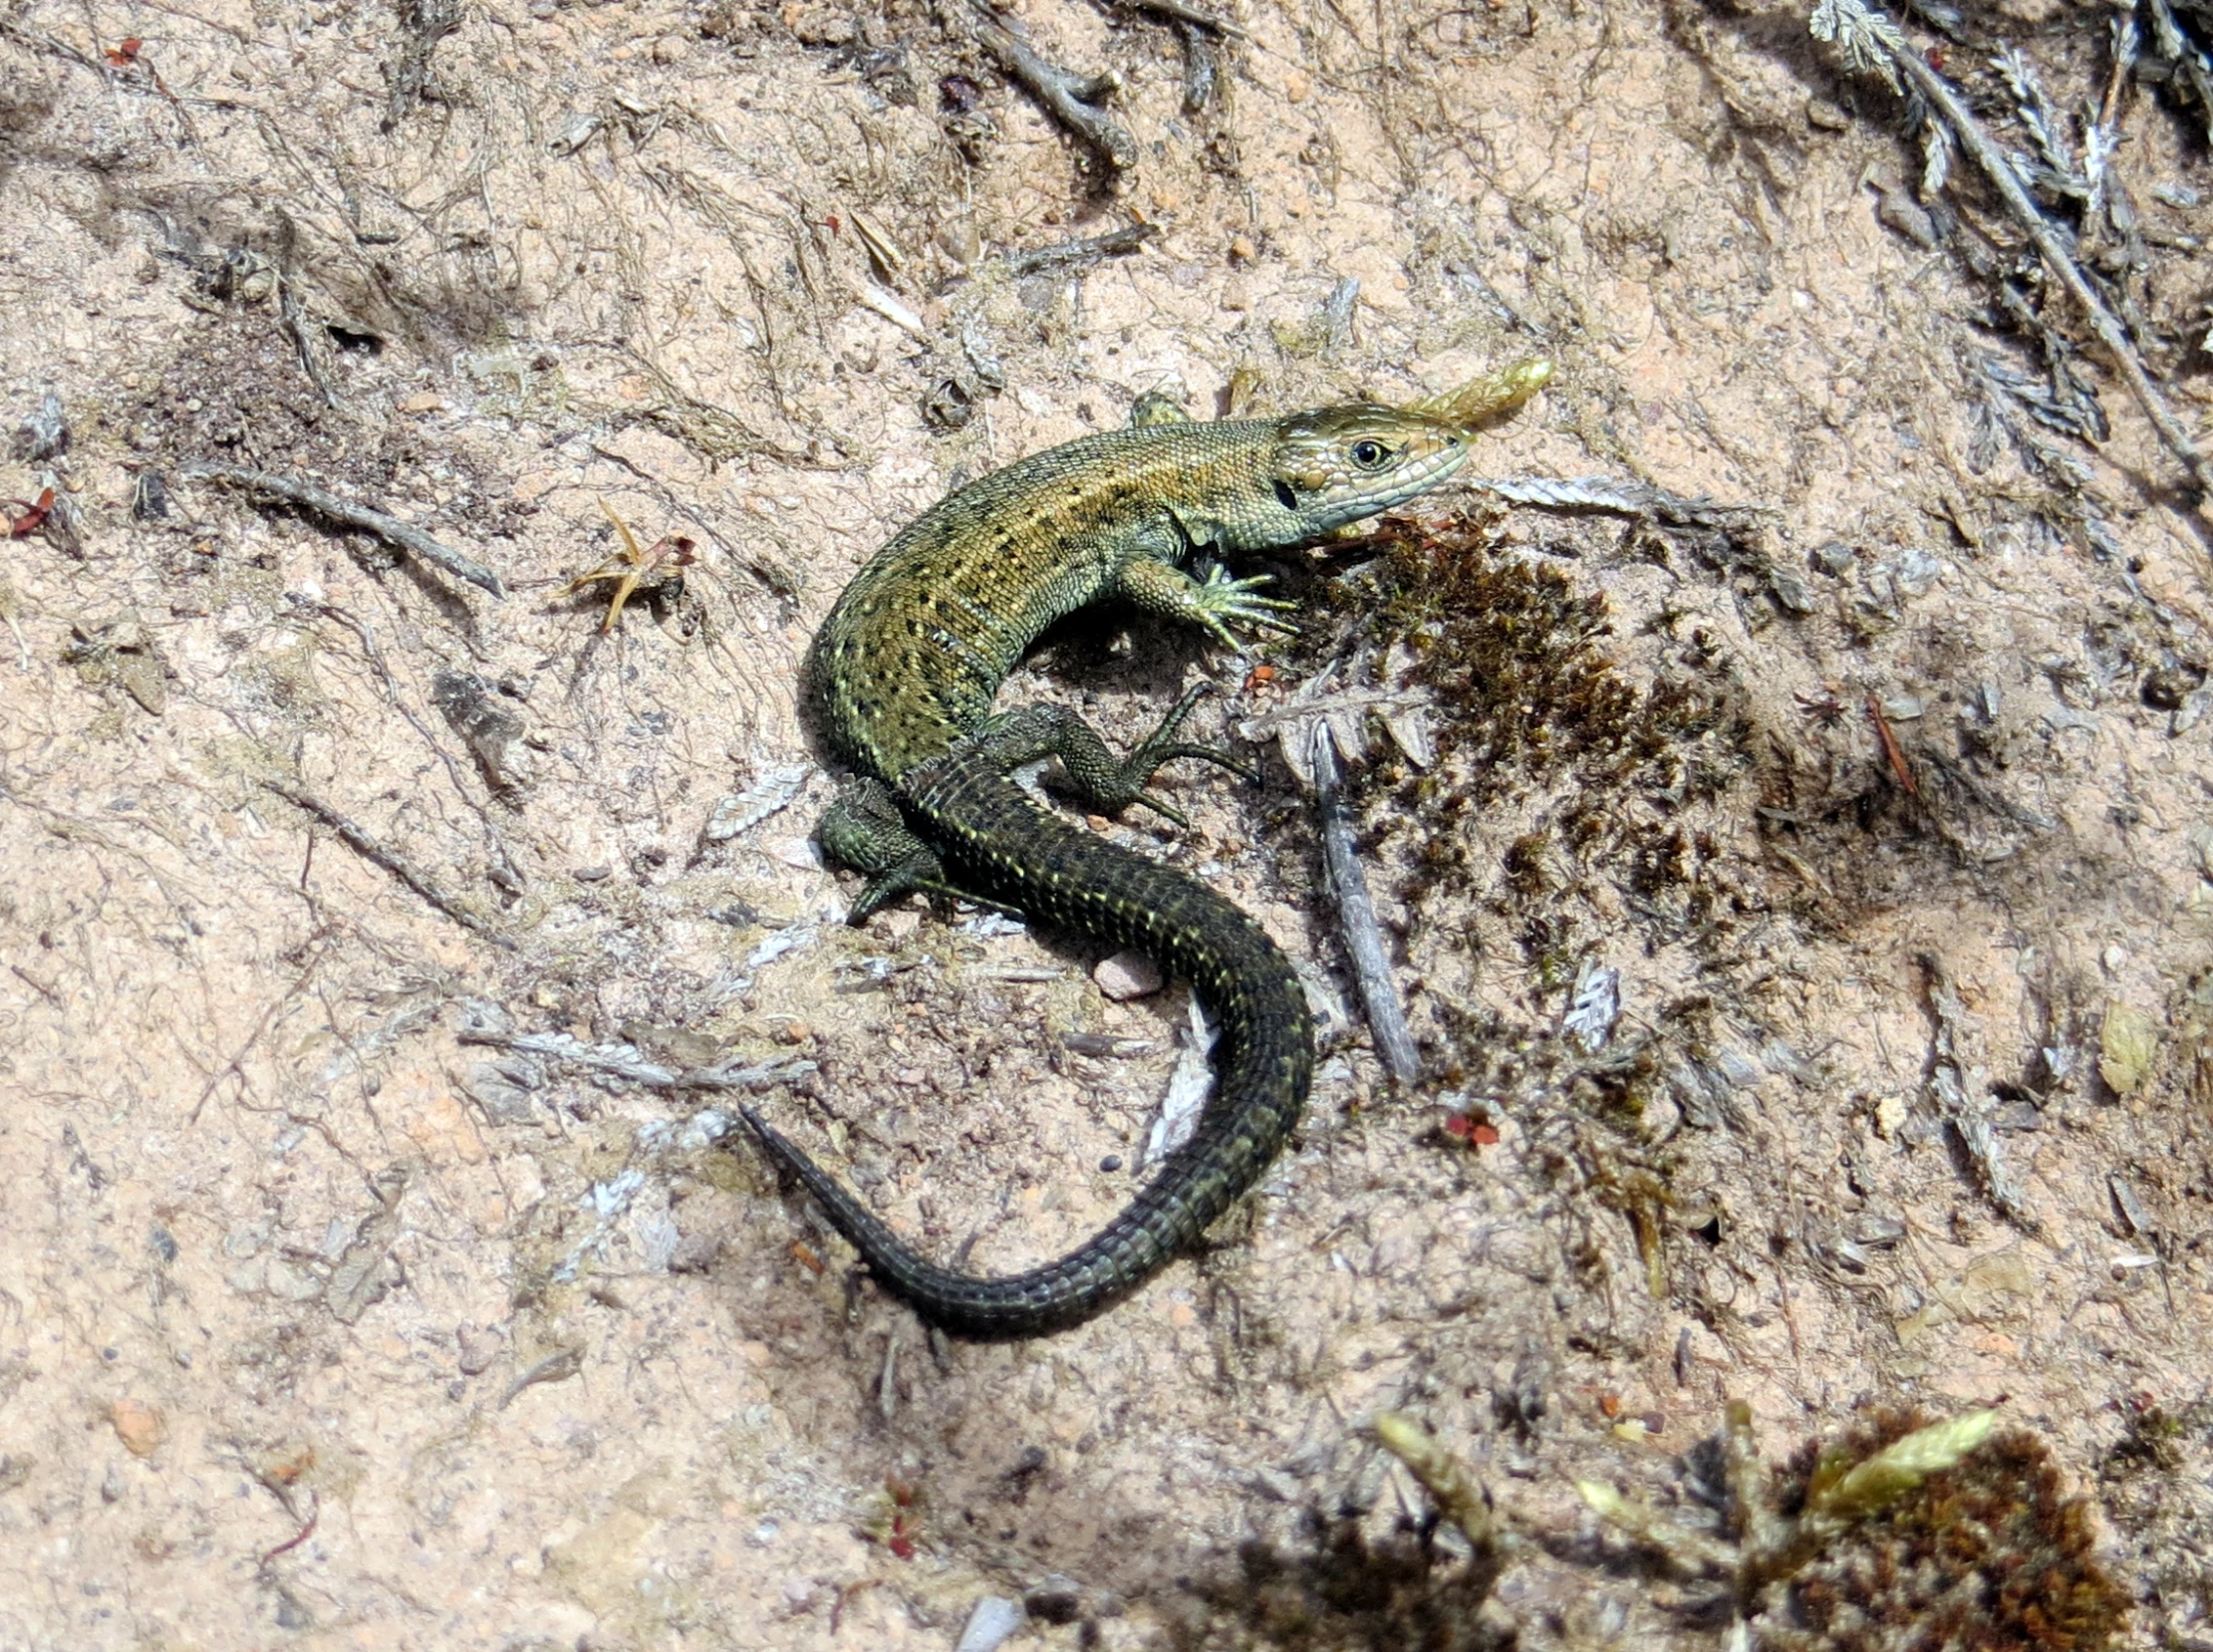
(1001, 844)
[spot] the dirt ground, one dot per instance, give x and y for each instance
(325, 1321)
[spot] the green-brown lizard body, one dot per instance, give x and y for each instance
(904, 670)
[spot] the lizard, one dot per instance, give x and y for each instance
(903, 675)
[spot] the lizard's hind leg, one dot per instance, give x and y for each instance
(863, 829)
(1101, 780)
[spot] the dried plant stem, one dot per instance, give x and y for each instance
(1068, 255)
(2104, 323)
(322, 502)
(1371, 967)
(378, 853)
(626, 1062)
(1182, 12)
(1071, 98)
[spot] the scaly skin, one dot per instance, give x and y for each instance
(905, 670)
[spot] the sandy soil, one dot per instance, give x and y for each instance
(322, 1326)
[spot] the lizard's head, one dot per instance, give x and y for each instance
(1340, 465)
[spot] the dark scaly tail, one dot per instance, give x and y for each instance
(999, 843)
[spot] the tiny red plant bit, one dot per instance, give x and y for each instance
(1483, 1134)
(125, 52)
(25, 517)
(1459, 1126)
(1892, 750)
(899, 1533)
(804, 1254)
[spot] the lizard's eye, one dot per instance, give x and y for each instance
(1369, 454)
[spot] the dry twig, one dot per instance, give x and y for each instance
(1955, 1086)
(2051, 244)
(322, 502)
(1071, 98)
(1371, 966)
(377, 853)
(1068, 255)
(626, 1062)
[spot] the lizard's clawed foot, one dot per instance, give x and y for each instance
(1220, 600)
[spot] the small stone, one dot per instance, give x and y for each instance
(1127, 975)
(1057, 1600)
(1296, 86)
(1899, 211)
(957, 240)
(994, 1620)
(480, 1346)
(1241, 247)
(800, 853)
(1824, 115)
(1790, 590)
(695, 1254)
(792, 1032)
(669, 49)
(111, 1485)
(424, 400)
(1111, 1163)
(1833, 559)
(140, 1427)
(2165, 691)
(594, 874)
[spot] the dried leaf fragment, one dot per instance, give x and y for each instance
(2126, 1044)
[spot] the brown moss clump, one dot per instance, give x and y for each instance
(1527, 696)
(1987, 1557)
(1510, 649)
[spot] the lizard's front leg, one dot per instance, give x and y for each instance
(1161, 588)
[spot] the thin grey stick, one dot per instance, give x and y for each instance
(1631, 498)
(377, 853)
(1955, 1087)
(1394, 1043)
(1182, 12)
(2104, 323)
(1068, 254)
(322, 502)
(1068, 97)
(626, 1062)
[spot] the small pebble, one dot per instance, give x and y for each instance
(1824, 116)
(996, 1618)
(1127, 975)
(140, 1427)
(593, 874)
(1112, 1162)
(480, 1346)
